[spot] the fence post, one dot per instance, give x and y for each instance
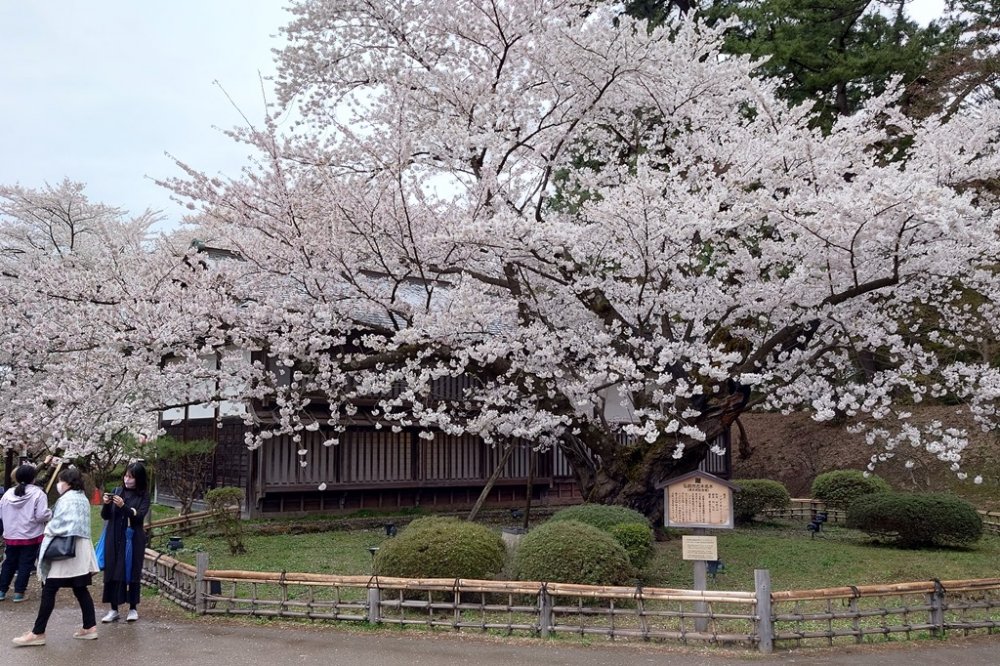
(544, 610)
(937, 608)
(201, 564)
(374, 604)
(765, 624)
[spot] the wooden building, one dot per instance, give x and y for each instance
(376, 468)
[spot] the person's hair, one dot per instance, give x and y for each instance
(73, 477)
(24, 475)
(138, 472)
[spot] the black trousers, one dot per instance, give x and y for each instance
(48, 602)
(19, 562)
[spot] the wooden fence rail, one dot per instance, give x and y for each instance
(182, 524)
(805, 509)
(758, 619)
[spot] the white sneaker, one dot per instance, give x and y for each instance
(112, 616)
(132, 616)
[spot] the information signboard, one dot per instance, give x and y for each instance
(698, 499)
(704, 548)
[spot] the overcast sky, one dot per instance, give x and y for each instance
(98, 91)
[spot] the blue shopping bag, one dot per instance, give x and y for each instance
(99, 548)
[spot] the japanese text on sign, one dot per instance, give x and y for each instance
(699, 502)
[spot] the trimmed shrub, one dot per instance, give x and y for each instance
(569, 551)
(220, 502)
(439, 547)
(840, 488)
(601, 516)
(916, 519)
(756, 495)
(637, 540)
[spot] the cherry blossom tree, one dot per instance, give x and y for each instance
(566, 208)
(85, 311)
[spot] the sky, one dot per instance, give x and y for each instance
(100, 91)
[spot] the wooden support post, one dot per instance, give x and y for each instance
(201, 564)
(374, 605)
(937, 609)
(700, 584)
(544, 611)
(765, 623)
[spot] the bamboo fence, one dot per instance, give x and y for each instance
(759, 619)
(805, 509)
(181, 524)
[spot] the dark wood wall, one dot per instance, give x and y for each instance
(379, 468)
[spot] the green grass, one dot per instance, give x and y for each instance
(340, 552)
(841, 557)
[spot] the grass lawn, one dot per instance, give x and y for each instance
(796, 561)
(841, 557)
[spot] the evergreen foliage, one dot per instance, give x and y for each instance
(917, 519)
(838, 489)
(637, 540)
(441, 547)
(569, 551)
(756, 495)
(601, 516)
(184, 466)
(220, 502)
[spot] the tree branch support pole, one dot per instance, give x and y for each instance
(491, 481)
(532, 457)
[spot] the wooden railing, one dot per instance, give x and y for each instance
(178, 523)
(805, 509)
(991, 521)
(759, 619)
(182, 524)
(858, 612)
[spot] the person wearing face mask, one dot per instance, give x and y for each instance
(125, 508)
(70, 517)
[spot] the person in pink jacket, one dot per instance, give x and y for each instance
(24, 510)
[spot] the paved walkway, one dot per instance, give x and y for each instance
(164, 635)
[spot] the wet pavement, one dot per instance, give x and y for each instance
(166, 635)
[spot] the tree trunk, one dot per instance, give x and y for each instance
(629, 474)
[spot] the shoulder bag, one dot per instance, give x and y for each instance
(60, 548)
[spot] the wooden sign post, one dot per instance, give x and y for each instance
(699, 501)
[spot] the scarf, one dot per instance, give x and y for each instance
(70, 517)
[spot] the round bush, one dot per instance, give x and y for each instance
(436, 547)
(838, 489)
(637, 540)
(917, 519)
(601, 516)
(568, 551)
(756, 495)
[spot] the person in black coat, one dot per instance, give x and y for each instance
(126, 507)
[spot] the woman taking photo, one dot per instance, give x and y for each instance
(125, 511)
(70, 517)
(24, 510)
